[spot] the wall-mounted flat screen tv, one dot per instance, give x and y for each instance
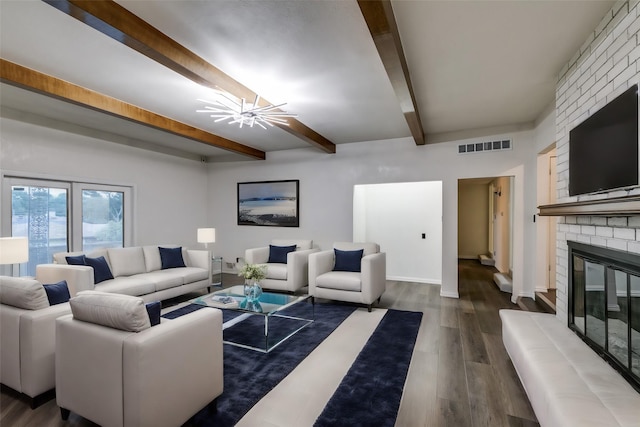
(603, 150)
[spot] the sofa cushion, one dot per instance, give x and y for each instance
(193, 274)
(57, 293)
(165, 279)
(277, 271)
(28, 294)
(128, 285)
(342, 280)
(61, 257)
(171, 257)
(116, 311)
(278, 254)
(347, 260)
(152, 258)
(127, 261)
(75, 260)
(101, 270)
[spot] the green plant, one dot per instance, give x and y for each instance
(253, 271)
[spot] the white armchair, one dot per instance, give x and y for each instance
(287, 277)
(360, 287)
(27, 329)
(114, 369)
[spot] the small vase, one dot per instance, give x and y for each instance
(252, 293)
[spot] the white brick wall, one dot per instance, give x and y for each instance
(606, 65)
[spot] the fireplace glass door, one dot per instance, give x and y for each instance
(604, 305)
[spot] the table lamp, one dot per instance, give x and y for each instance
(206, 236)
(14, 250)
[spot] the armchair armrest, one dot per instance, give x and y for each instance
(37, 347)
(319, 263)
(374, 273)
(257, 255)
(78, 277)
(298, 267)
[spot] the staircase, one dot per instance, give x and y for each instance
(487, 260)
(547, 300)
(503, 281)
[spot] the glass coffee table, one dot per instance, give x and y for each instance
(264, 325)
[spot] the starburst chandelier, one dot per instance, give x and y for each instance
(225, 107)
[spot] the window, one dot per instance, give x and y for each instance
(39, 212)
(64, 216)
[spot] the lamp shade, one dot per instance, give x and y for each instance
(206, 235)
(14, 250)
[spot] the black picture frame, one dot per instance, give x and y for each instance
(269, 203)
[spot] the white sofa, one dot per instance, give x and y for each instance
(288, 277)
(115, 369)
(137, 271)
(567, 383)
(27, 329)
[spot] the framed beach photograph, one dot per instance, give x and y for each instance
(269, 203)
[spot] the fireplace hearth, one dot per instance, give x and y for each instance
(604, 305)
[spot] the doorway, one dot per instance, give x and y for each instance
(405, 219)
(545, 276)
(485, 224)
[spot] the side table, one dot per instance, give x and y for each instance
(216, 271)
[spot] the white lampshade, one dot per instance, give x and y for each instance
(14, 250)
(206, 235)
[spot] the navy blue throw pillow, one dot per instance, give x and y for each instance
(348, 260)
(75, 260)
(153, 310)
(278, 254)
(101, 270)
(171, 257)
(57, 293)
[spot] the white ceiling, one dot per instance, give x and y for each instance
(474, 65)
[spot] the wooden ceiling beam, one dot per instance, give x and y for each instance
(26, 78)
(381, 21)
(115, 21)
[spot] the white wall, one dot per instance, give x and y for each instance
(175, 196)
(170, 193)
(395, 216)
(606, 65)
(326, 194)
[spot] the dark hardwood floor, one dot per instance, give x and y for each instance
(460, 374)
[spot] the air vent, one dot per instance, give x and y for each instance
(479, 147)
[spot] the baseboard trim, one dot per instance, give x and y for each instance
(415, 279)
(447, 294)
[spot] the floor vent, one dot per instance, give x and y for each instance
(478, 147)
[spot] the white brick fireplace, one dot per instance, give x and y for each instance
(604, 67)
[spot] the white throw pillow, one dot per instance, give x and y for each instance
(126, 261)
(124, 312)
